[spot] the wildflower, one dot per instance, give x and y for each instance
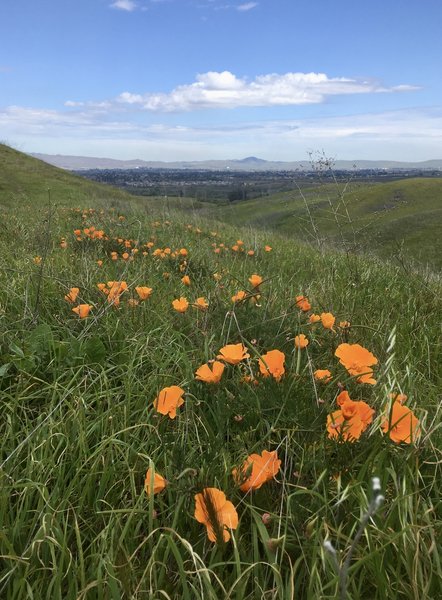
(82, 310)
(302, 303)
(77, 232)
(63, 243)
(301, 341)
(72, 295)
(154, 482)
(185, 280)
(37, 260)
(125, 256)
(257, 470)
(401, 425)
(238, 297)
(233, 353)
(255, 280)
(218, 514)
(100, 263)
(201, 303)
(344, 324)
(268, 248)
(250, 253)
(183, 252)
(180, 305)
(210, 375)
(327, 320)
(143, 292)
(358, 361)
(351, 420)
(314, 319)
(323, 375)
(168, 400)
(114, 255)
(272, 364)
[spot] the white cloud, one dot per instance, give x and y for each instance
(127, 5)
(246, 6)
(226, 90)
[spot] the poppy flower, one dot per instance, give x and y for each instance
(154, 483)
(37, 260)
(351, 420)
(168, 400)
(250, 253)
(302, 303)
(327, 320)
(257, 469)
(210, 375)
(239, 297)
(344, 324)
(401, 425)
(268, 248)
(82, 310)
(323, 375)
(183, 252)
(314, 319)
(180, 305)
(185, 280)
(201, 303)
(255, 280)
(358, 361)
(143, 292)
(233, 353)
(100, 263)
(301, 341)
(272, 364)
(218, 514)
(72, 295)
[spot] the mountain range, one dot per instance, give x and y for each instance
(251, 163)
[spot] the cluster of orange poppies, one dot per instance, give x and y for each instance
(212, 508)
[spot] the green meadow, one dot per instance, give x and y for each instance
(85, 415)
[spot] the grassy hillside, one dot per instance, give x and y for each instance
(24, 179)
(385, 218)
(112, 443)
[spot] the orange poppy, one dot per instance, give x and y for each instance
(272, 363)
(302, 303)
(218, 514)
(401, 425)
(239, 297)
(72, 295)
(327, 320)
(301, 341)
(255, 280)
(210, 375)
(168, 400)
(100, 263)
(344, 324)
(143, 292)
(257, 469)
(154, 483)
(314, 318)
(268, 248)
(250, 253)
(351, 421)
(233, 353)
(358, 361)
(185, 280)
(201, 303)
(82, 310)
(180, 305)
(323, 375)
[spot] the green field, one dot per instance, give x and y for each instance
(84, 415)
(395, 219)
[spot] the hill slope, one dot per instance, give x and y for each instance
(23, 177)
(384, 218)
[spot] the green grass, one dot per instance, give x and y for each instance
(401, 217)
(79, 427)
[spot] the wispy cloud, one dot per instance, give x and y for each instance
(127, 5)
(247, 6)
(225, 90)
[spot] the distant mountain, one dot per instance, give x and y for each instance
(250, 163)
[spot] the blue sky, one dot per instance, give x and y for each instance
(205, 79)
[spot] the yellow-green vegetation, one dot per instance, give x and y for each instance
(151, 449)
(396, 220)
